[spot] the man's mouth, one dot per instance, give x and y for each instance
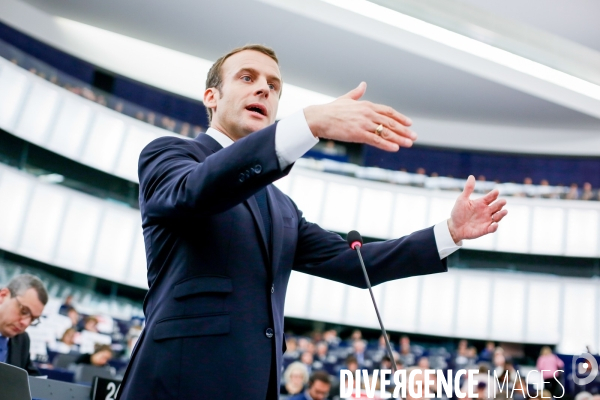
(257, 108)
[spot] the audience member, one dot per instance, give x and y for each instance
(90, 324)
(101, 356)
(488, 352)
(351, 364)
(407, 357)
(21, 304)
(319, 385)
(358, 351)
(307, 359)
(74, 317)
(587, 193)
(295, 377)
(573, 193)
(549, 363)
(67, 343)
(66, 306)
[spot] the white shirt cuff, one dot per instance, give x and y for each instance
(443, 240)
(293, 138)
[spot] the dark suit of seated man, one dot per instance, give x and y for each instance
(21, 305)
(221, 240)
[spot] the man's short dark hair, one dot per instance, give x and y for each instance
(319, 376)
(214, 79)
(21, 283)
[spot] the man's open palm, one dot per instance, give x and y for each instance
(471, 219)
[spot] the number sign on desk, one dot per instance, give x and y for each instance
(105, 389)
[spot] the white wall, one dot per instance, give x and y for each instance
(71, 230)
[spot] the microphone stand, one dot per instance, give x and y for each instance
(385, 336)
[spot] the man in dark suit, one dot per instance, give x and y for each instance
(21, 305)
(221, 241)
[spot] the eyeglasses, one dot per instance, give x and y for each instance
(26, 313)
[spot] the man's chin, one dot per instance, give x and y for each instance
(254, 125)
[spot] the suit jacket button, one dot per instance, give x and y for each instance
(257, 169)
(269, 333)
(242, 177)
(272, 289)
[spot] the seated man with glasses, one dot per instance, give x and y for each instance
(21, 305)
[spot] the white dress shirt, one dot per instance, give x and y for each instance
(293, 138)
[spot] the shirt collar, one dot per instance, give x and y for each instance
(220, 137)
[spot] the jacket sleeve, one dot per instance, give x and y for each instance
(327, 255)
(180, 178)
(21, 347)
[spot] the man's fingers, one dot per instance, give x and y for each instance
(497, 205)
(469, 186)
(391, 113)
(492, 228)
(491, 196)
(356, 93)
(395, 131)
(499, 215)
(377, 141)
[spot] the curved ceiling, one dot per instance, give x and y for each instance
(329, 59)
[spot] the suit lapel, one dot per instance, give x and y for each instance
(252, 205)
(277, 234)
(250, 202)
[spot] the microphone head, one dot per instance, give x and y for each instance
(354, 239)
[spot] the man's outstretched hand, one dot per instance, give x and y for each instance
(471, 219)
(348, 119)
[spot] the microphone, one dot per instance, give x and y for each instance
(355, 241)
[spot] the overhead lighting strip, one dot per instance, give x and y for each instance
(468, 45)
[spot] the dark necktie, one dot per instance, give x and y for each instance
(263, 206)
(3, 349)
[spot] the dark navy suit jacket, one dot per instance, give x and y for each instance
(217, 286)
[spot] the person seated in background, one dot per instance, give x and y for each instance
(573, 193)
(461, 359)
(66, 305)
(488, 352)
(356, 335)
(22, 302)
(587, 192)
(295, 377)
(322, 353)
(351, 364)
(549, 363)
(407, 357)
(358, 351)
(67, 344)
(291, 351)
(73, 316)
(499, 360)
(472, 357)
(319, 385)
(307, 359)
(99, 358)
(332, 338)
(90, 324)
(480, 391)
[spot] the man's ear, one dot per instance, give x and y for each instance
(210, 98)
(4, 294)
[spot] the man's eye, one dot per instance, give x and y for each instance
(246, 78)
(272, 87)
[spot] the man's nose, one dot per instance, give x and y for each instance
(262, 89)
